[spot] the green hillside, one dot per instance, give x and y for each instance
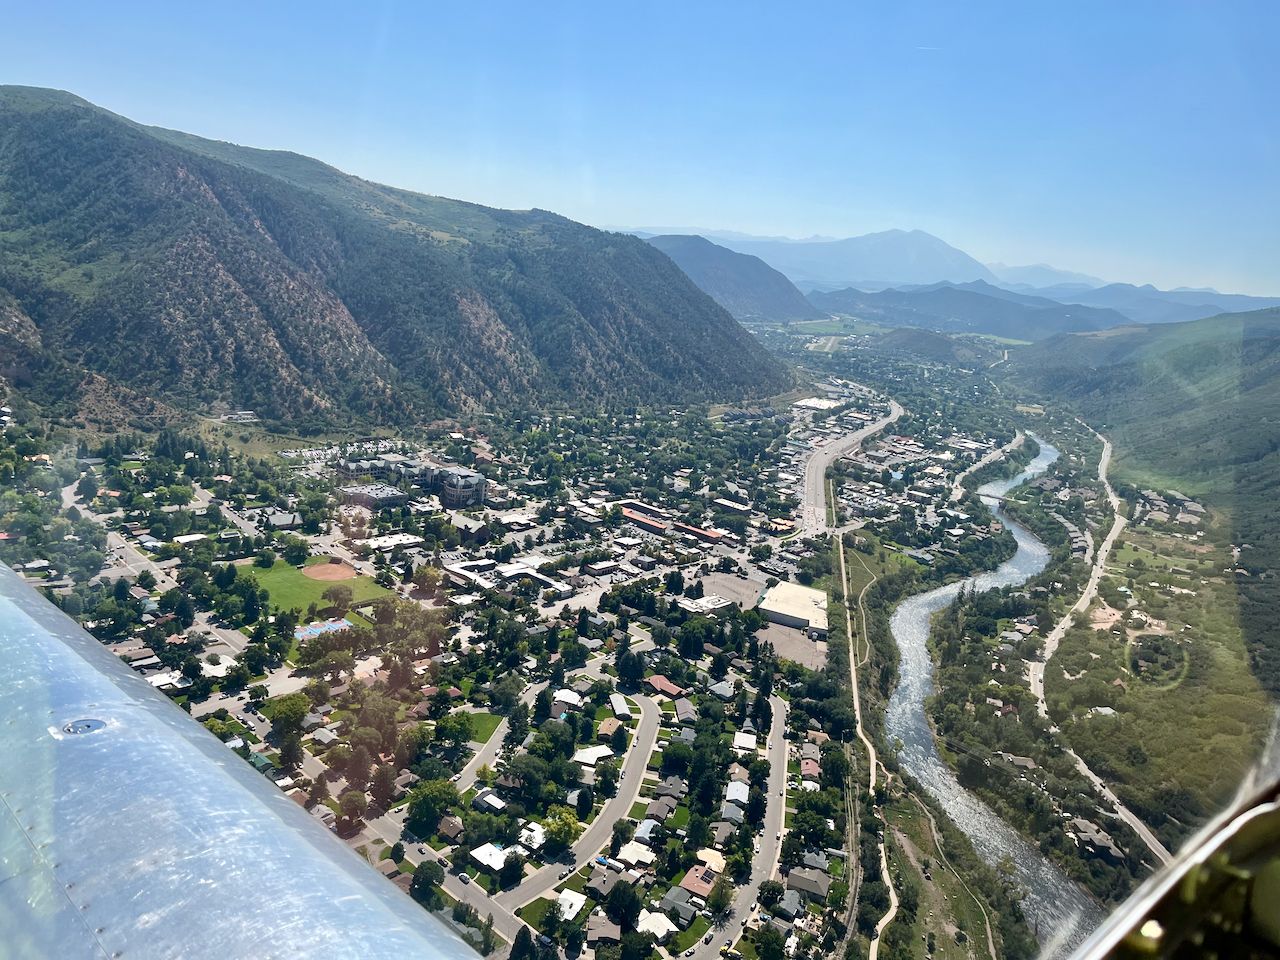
(208, 276)
(1194, 407)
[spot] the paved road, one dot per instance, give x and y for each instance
(1037, 668)
(764, 864)
(813, 509)
(601, 829)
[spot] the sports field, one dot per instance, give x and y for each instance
(291, 588)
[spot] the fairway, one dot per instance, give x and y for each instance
(290, 588)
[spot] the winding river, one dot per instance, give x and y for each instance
(1059, 911)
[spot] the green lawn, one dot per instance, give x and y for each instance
(482, 725)
(290, 589)
(687, 938)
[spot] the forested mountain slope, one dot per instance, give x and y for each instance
(1195, 407)
(213, 276)
(744, 285)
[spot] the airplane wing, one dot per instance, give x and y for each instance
(128, 830)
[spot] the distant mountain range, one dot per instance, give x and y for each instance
(1041, 275)
(1146, 304)
(891, 258)
(208, 275)
(744, 285)
(976, 307)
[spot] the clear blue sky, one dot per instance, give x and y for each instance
(1135, 141)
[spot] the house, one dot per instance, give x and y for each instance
(721, 831)
(810, 769)
(491, 857)
(571, 904)
(673, 786)
(601, 882)
(608, 727)
(699, 880)
(679, 906)
(737, 792)
(732, 813)
(566, 700)
(324, 737)
(451, 828)
(723, 690)
(686, 712)
(738, 773)
(590, 756)
(533, 835)
(658, 683)
(809, 883)
(600, 929)
(618, 704)
(790, 906)
(645, 832)
(661, 809)
(744, 742)
(816, 860)
(657, 925)
(388, 868)
(635, 854)
(486, 801)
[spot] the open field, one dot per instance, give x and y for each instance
(1189, 721)
(291, 588)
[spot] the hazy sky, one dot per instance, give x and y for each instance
(1135, 141)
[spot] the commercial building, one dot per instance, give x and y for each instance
(459, 487)
(795, 606)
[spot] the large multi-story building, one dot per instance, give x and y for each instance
(459, 487)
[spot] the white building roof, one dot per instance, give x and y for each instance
(796, 602)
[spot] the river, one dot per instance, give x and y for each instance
(1060, 912)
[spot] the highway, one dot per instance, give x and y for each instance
(813, 510)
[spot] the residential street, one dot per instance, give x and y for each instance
(597, 835)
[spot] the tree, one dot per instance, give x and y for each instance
(721, 897)
(586, 803)
(427, 877)
(455, 729)
(623, 830)
(562, 826)
(358, 767)
(339, 596)
(769, 943)
(607, 778)
(771, 892)
(353, 805)
(511, 871)
(429, 801)
(287, 714)
(291, 752)
(623, 905)
(383, 785)
(397, 851)
(319, 792)
(522, 946)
